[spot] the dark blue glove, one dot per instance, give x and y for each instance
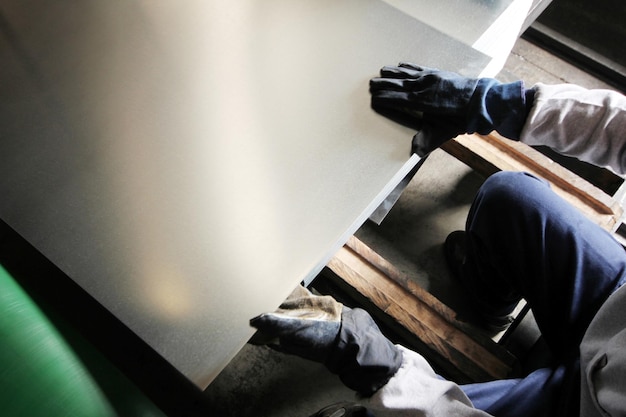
(442, 105)
(346, 340)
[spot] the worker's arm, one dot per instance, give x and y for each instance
(587, 124)
(390, 379)
(415, 390)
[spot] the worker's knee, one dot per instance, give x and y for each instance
(513, 185)
(507, 194)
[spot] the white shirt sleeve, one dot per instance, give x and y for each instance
(416, 390)
(587, 124)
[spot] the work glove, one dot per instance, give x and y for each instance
(305, 324)
(347, 341)
(441, 104)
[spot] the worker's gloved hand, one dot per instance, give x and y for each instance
(433, 131)
(442, 104)
(305, 324)
(346, 340)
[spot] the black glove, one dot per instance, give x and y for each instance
(442, 105)
(346, 340)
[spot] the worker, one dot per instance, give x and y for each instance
(521, 240)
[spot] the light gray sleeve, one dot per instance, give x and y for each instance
(587, 124)
(416, 391)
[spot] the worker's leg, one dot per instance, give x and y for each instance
(525, 241)
(527, 397)
(538, 394)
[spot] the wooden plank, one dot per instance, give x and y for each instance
(407, 304)
(492, 153)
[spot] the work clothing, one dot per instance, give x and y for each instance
(591, 124)
(587, 124)
(525, 241)
(522, 241)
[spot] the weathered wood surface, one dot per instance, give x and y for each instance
(406, 303)
(492, 153)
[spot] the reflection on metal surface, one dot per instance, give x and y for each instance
(489, 26)
(188, 163)
(383, 209)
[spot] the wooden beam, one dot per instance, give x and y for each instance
(493, 153)
(404, 302)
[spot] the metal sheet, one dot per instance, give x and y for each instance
(188, 163)
(491, 27)
(472, 18)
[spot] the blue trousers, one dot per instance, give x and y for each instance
(524, 241)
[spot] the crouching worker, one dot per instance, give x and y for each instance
(521, 240)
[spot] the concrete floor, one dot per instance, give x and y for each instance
(260, 382)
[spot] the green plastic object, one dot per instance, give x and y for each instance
(39, 373)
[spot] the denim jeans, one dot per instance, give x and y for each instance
(524, 241)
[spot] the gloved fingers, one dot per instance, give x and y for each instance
(387, 84)
(433, 133)
(300, 307)
(415, 67)
(286, 321)
(276, 324)
(391, 97)
(421, 97)
(414, 89)
(421, 144)
(419, 71)
(405, 82)
(305, 324)
(430, 135)
(260, 338)
(303, 304)
(405, 70)
(402, 115)
(271, 327)
(407, 107)
(322, 308)
(408, 101)
(309, 338)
